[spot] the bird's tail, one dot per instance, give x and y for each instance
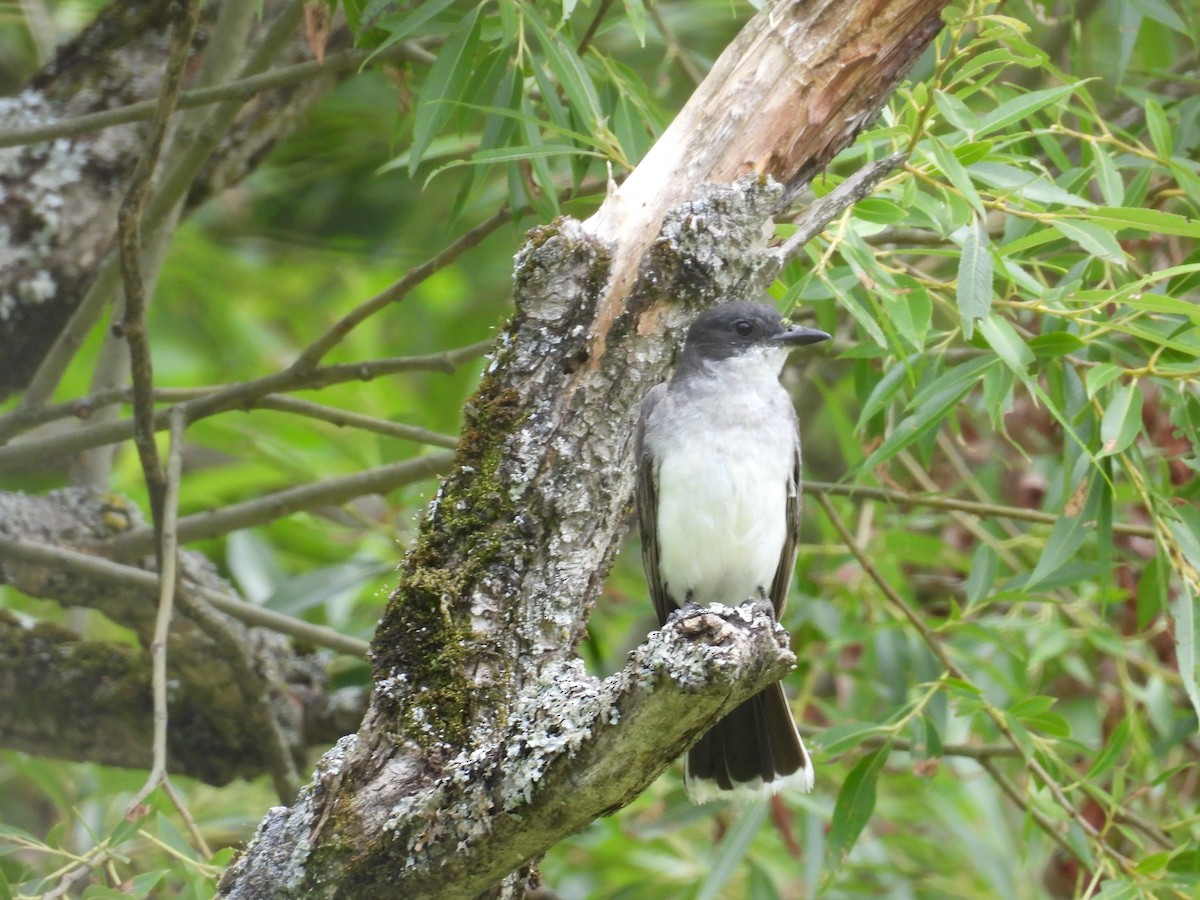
(753, 752)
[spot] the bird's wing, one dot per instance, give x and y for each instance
(647, 507)
(787, 555)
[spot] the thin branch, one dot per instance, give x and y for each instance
(241, 395)
(395, 292)
(983, 510)
(967, 751)
(189, 820)
(268, 508)
(1049, 827)
(345, 419)
(86, 565)
(955, 670)
(241, 89)
(129, 233)
(168, 561)
(821, 212)
(177, 178)
(675, 49)
(260, 692)
(593, 27)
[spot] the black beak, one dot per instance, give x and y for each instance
(799, 336)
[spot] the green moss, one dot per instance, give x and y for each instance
(426, 633)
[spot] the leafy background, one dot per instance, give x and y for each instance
(997, 633)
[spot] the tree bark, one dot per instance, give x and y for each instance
(244, 702)
(481, 717)
(59, 198)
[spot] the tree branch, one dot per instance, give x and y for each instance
(577, 749)
(234, 396)
(268, 508)
(493, 596)
(238, 89)
(85, 565)
(129, 232)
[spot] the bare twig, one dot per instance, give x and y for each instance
(168, 560)
(256, 687)
(675, 48)
(821, 212)
(235, 396)
(129, 230)
(939, 651)
(983, 510)
(268, 508)
(242, 89)
(177, 177)
(593, 27)
(85, 565)
(345, 419)
(1049, 827)
(395, 292)
(189, 820)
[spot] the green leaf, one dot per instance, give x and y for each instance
(957, 175)
(931, 409)
(1186, 532)
(1187, 639)
(1187, 178)
(855, 803)
(1161, 11)
(933, 740)
(955, 111)
(1110, 753)
(1151, 221)
(1101, 375)
(1054, 344)
(886, 388)
(445, 84)
(1112, 188)
(911, 311)
(401, 26)
(1009, 345)
(1160, 129)
(974, 286)
(1122, 420)
(568, 68)
(984, 567)
(1028, 185)
(846, 736)
(1022, 107)
(516, 153)
(1092, 238)
(635, 16)
(1152, 591)
(327, 586)
(1066, 537)
(731, 852)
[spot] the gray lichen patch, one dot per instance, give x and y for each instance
(711, 247)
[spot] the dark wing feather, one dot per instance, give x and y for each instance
(787, 557)
(647, 507)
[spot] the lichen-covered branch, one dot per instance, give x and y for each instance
(59, 197)
(235, 687)
(83, 700)
(574, 749)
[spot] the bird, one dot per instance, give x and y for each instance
(718, 501)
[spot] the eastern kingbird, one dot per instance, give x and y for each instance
(719, 507)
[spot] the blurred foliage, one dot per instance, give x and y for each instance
(1015, 315)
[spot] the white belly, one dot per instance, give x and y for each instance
(722, 509)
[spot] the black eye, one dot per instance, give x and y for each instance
(743, 327)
